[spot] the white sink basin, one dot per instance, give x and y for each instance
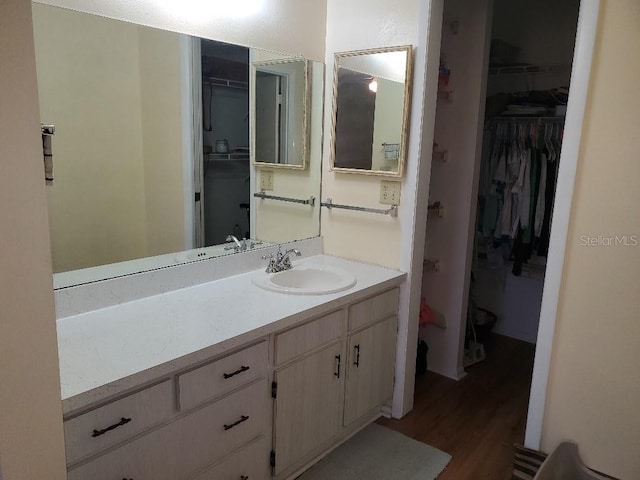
(306, 280)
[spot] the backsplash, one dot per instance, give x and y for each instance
(93, 296)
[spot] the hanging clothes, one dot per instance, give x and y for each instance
(520, 174)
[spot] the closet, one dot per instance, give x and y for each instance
(503, 87)
(225, 135)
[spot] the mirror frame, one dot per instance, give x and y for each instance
(306, 135)
(405, 110)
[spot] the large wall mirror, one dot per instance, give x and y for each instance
(152, 147)
(280, 116)
(371, 95)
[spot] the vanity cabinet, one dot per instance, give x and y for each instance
(307, 406)
(336, 372)
(206, 421)
(373, 325)
(266, 409)
(370, 369)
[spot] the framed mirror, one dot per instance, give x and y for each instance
(280, 116)
(371, 97)
(152, 148)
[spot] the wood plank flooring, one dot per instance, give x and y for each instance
(478, 419)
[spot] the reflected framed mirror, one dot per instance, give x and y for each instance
(371, 98)
(152, 148)
(280, 115)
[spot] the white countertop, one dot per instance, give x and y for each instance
(112, 350)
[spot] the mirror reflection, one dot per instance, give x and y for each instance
(370, 106)
(152, 148)
(280, 118)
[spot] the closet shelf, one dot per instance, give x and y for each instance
(522, 69)
(223, 82)
(224, 157)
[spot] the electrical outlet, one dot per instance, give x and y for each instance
(390, 192)
(266, 180)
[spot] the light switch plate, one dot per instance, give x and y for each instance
(266, 180)
(389, 192)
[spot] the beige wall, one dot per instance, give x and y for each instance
(594, 385)
(118, 193)
(31, 439)
(162, 140)
(92, 95)
(387, 123)
(289, 26)
(361, 236)
(276, 221)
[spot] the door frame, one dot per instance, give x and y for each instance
(427, 58)
(578, 96)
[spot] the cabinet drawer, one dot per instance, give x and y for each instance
(188, 445)
(374, 309)
(117, 421)
(309, 336)
(250, 462)
(222, 376)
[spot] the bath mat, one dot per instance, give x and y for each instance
(379, 453)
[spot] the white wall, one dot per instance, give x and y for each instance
(31, 438)
(454, 184)
(288, 26)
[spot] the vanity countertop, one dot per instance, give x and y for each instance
(106, 352)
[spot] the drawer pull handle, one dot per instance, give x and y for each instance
(243, 418)
(337, 372)
(357, 352)
(123, 421)
(240, 370)
(244, 477)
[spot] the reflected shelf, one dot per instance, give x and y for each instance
(226, 157)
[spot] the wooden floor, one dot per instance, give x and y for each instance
(478, 419)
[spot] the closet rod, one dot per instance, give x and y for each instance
(528, 119)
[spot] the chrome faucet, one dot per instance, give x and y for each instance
(240, 246)
(281, 261)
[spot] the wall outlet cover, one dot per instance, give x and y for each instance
(390, 192)
(266, 180)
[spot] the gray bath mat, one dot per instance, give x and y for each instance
(379, 453)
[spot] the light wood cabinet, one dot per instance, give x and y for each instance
(188, 444)
(266, 410)
(324, 396)
(370, 369)
(308, 406)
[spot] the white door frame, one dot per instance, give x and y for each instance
(580, 75)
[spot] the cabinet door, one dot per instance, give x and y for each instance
(308, 406)
(370, 369)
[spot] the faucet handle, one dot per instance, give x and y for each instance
(271, 267)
